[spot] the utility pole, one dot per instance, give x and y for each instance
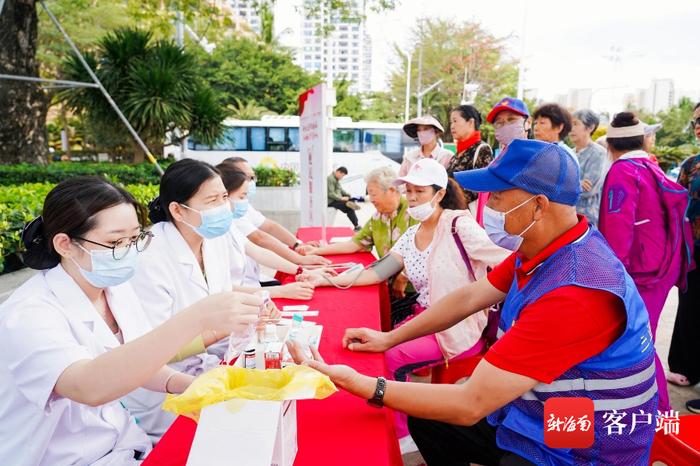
(419, 110)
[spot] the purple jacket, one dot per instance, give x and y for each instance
(632, 219)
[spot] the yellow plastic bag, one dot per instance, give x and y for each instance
(226, 382)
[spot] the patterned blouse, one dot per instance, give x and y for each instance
(465, 161)
(383, 230)
(689, 178)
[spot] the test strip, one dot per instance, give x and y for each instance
(298, 307)
(301, 313)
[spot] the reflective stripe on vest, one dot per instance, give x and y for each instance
(609, 405)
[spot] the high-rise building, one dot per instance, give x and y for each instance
(246, 11)
(658, 97)
(346, 51)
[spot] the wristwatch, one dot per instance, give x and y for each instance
(378, 399)
(296, 245)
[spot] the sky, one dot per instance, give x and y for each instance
(565, 42)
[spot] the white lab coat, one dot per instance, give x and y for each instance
(243, 269)
(167, 281)
(45, 326)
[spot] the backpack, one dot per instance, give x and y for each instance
(674, 201)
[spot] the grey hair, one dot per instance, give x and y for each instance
(383, 176)
(588, 118)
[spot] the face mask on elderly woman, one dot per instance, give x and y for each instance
(426, 136)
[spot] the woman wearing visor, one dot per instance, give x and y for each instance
(445, 251)
(74, 339)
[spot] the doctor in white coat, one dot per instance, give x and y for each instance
(73, 339)
(244, 251)
(188, 260)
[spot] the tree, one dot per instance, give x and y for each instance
(23, 136)
(450, 50)
(156, 84)
(253, 72)
(248, 110)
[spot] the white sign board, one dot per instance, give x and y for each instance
(316, 136)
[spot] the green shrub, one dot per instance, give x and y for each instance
(119, 173)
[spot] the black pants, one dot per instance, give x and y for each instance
(444, 444)
(340, 205)
(684, 354)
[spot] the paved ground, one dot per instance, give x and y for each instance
(679, 395)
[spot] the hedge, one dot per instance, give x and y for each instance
(23, 202)
(121, 173)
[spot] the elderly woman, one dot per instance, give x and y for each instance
(426, 130)
(381, 231)
(592, 161)
(552, 123)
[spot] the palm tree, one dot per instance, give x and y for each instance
(156, 85)
(249, 110)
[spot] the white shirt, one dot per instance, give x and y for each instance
(167, 281)
(45, 326)
(254, 216)
(415, 263)
(240, 263)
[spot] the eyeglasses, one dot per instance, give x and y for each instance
(695, 122)
(120, 248)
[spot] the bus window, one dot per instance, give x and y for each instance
(276, 140)
(233, 139)
(257, 139)
(386, 141)
(346, 140)
(293, 139)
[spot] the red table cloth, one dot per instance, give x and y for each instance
(342, 429)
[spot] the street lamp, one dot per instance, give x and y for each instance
(420, 95)
(408, 84)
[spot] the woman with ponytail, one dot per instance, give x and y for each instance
(74, 339)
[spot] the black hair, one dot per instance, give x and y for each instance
(232, 177)
(621, 120)
(70, 208)
(454, 198)
(342, 170)
(180, 182)
(558, 115)
(697, 106)
(469, 112)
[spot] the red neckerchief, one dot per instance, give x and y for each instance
(470, 141)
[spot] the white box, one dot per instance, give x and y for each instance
(246, 433)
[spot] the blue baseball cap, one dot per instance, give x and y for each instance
(537, 167)
(512, 105)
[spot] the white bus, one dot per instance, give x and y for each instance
(274, 141)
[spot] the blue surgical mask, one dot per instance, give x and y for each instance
(106, 270)
(495, 226)
(215, 222)
(252, 188)
(240, 207)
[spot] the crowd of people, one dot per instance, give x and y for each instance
(552, 262)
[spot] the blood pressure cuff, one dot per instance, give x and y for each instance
(386, 267)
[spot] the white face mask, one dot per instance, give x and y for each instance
(495, 226)
(422, 212)
(426, 136)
